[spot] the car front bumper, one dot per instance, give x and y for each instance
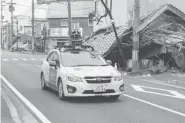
(84, 89)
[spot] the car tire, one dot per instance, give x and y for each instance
(43, 84)
(115, 97)
(61, 90)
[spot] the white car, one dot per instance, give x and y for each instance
(80, 74)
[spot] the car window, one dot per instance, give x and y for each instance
(55, 56)
(82, 59)
(50, 56)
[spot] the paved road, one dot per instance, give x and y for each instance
(5, 113)
(153, 103)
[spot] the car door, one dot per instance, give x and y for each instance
(53, 69)
(47, 67)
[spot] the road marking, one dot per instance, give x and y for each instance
(42, 59)
(161, 83)
(11, 107)
(24, 59)
(38, 65)
(14, 59)
(5, 59)
(32, 108)
(33, 59)
(155, 105)
(175, 94)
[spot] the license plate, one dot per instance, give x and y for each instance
(100, 89)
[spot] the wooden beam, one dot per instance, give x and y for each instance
(156, 15)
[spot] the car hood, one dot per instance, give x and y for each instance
(92, 71)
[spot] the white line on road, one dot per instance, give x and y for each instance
(14, 59)
(155, 105)
(38, 65)
(172, 93)
(5, 59)
(160, 83)
(33, 59)
(24, 59)
(28, 104)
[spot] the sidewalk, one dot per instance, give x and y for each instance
(29, 52)
(13, 111)
(35, 53)
(5, 113)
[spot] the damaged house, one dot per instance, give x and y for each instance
(162, 41)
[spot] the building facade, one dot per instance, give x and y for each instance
(6, 33)
(57, 16)
(27, 30)
(39, 24)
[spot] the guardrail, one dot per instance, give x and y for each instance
(28, 105)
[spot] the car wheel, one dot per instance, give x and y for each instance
(115, 97)
(43, 84)
(61, 90)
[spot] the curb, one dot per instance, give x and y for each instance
(12, 109)
(17, 110)
(28, 105)
(173, 82)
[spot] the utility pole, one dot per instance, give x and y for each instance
(17, 32)
(33, 36)
(116, 35)
(135, 45)
(12, 26)
(2, 24)
(69, 20)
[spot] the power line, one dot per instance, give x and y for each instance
(28, 10)
(56, 9)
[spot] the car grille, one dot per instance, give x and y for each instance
(92, 92)
(95, 80)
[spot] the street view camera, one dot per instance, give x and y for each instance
(76, 43)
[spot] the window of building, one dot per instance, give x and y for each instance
(75, 26)
(97, 9)
(64, 22)
(90, 21)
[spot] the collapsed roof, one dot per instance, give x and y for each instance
(163, 26)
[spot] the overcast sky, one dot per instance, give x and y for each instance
(23, 7)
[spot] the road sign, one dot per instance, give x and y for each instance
(151, 90)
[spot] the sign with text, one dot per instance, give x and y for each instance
(58, 32)
(61, 32)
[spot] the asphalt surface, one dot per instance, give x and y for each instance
(5, 113)
(24, 75)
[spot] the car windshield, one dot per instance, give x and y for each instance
(81, 59)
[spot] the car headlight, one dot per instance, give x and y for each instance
(118, 78)
(73, 78)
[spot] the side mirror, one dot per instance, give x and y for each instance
(52, 63)
(109, 62)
